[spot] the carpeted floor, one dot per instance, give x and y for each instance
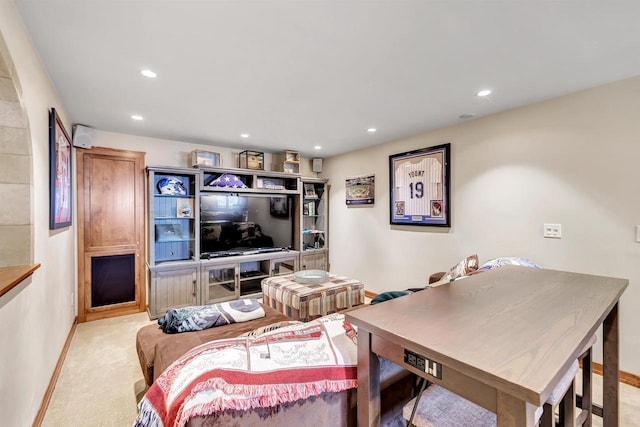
(101, 378)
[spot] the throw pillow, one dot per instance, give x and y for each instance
(465, 267)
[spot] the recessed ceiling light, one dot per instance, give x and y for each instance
(318, 147)
(466, 116)
(371, 130)
(244, 135)
(148, 73)
(484, 92)
(137, 117)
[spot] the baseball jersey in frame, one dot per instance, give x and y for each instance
(419, 190)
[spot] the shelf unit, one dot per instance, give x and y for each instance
(173, 218)
(178, 277)
(173, 243)
(241, 277)
(314, 226)
(254, 181)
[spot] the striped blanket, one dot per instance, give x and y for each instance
(285, 365)
(197, 318)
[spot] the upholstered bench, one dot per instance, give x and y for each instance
(306, 302)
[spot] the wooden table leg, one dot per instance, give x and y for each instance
(611, 373)
(513, 412)
(368, 382)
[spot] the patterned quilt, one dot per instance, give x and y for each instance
(284, 365)
(197, 318)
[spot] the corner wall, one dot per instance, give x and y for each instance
(15, 170)
(572, 161)
(36, 316)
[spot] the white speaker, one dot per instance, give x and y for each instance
(317, 165)
(82, 136)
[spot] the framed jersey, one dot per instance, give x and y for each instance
(419, 191)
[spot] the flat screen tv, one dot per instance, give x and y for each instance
(237, 223)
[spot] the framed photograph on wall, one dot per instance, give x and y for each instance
(360, 190)
(419, 193)
(59, 173)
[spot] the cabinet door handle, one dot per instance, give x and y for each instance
(194, 289)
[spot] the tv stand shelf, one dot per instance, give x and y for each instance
(241, 276)
(256, 181)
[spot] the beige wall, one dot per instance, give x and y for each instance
(571, 160)
(37, 315)
(163, 152)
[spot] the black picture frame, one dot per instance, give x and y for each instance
(60, 157)
(279, 207)
(419, 187)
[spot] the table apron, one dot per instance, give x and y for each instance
(460, 384)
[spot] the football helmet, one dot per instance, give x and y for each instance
(172, 185)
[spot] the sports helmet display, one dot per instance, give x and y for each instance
(172, 185)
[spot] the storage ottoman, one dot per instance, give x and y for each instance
(306, 302)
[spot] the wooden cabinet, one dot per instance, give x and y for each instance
(172, 286)
(314, 260)
(241, 276)
(215, 233)
(173, 238)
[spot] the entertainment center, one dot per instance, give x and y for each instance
(215, 233)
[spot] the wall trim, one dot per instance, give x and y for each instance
(369, 294)
(625, 377)
(37, 422)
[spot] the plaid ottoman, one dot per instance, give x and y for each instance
(306, 302)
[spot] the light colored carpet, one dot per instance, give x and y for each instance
(101, 377)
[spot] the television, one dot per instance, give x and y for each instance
(243, 223)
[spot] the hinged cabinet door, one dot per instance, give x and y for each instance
(282, 266)
(313, 261)
(219, 283)
(173, 288)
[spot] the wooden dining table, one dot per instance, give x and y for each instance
(502, 339)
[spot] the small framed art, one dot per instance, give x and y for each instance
(59, 173)
(360, 190)
(184, 207)
(419, 190)
(279, 207)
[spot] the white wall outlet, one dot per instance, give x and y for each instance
(552, 231)
(73, 300)
(638, 233)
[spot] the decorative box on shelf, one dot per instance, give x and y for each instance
(205, 158)
(291, 156)
(251, 160)
(288, 162)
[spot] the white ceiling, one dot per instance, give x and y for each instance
(295, 74)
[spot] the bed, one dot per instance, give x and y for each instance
(335, 407)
